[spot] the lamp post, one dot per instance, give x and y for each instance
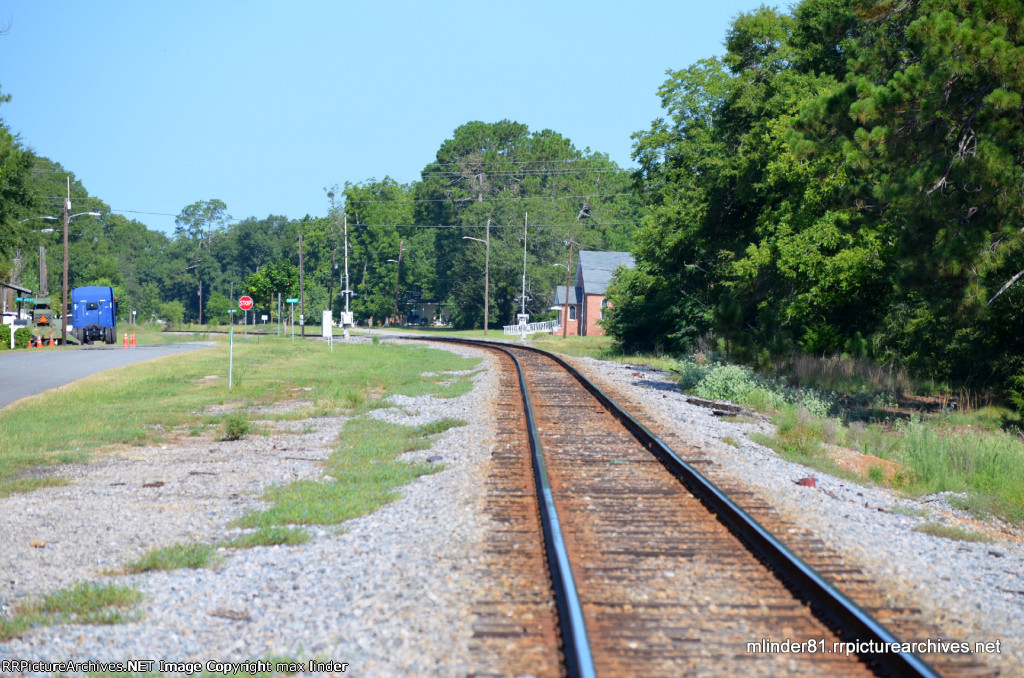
(64, 284)
(67, 219)
(398, 275)
(487, 271)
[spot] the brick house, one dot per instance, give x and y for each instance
(594, 271)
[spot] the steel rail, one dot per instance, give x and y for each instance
(576, 646)
(874, 642)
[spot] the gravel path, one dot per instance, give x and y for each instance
(388, 593)
(391, 593)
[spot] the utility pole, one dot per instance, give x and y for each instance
(348, 286)
(526, 219)
(302, 292)
(487, 275)
(64, 309)
(330, 281)
(398, 276)
(568, 279)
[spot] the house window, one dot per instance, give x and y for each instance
(572, 312)
(604, 305)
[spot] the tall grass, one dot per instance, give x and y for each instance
(987, 466)
(842, 374)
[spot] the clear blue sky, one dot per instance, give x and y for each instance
(155, 105)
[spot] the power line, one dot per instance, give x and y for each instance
(474, 199)
(493, 225)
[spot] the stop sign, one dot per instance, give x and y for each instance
(245, 303)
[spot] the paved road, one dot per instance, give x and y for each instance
(27, 372)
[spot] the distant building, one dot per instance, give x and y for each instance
(586, 296)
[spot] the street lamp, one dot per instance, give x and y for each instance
(398, 275)
(487, 270)
(67, 219)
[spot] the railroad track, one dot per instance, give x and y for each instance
(646, 568)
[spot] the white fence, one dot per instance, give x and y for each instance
(532, 328)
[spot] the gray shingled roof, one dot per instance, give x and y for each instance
(597, 268)
(574, 294)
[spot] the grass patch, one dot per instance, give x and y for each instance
(951, 532)
(268, 536)
(729, 440)
(83, 603)
(366, 474)
(9, 487)
(134, 405)
(175, 557)
(909, 511)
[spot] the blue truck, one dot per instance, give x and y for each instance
(94, 314)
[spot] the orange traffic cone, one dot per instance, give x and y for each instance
(51, 339)
(126, 340)
(39, 341)
(133, 340)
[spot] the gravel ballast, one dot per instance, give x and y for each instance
(391, 593)
(388, 593)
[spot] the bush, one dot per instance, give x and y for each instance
(235, 426)
(739, 384)
(173, 312)
(5, 337)
(22, 337)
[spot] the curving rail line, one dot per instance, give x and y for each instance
(851, 622)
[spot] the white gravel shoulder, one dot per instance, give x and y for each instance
(975, 590)
(389, 593)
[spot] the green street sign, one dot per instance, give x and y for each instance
(28, 300)
(232, 310)
(19, 299)
(292, 301)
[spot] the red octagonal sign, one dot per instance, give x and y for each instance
(245, 303)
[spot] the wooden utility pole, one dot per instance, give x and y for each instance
(302, 291)
(568, 279)
(487, 275)
(64, 301)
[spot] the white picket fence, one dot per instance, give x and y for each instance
(531, 328)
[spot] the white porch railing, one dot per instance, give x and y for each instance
(531, 328)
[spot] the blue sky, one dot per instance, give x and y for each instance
(155, 105)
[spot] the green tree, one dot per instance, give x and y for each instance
(196, 228)
(217, 307)
(15, 200)
(172, 312)
(280, 277)
(504, 173)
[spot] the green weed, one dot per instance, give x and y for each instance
(236, 426)
(268, 536)
(175, 557)
(951, 532)
(82, 603)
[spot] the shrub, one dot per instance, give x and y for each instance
(236, 426)
(739, 384)
(5, 337)
(22, 336)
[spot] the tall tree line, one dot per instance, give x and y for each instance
(405, 241)
(846, 177)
